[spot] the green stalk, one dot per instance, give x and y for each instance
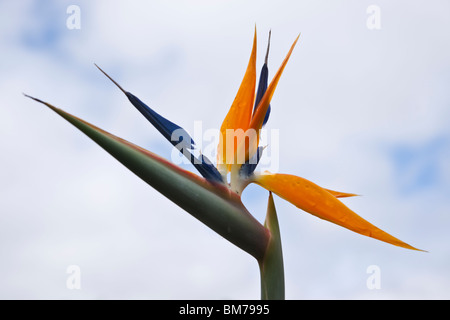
(271, 265)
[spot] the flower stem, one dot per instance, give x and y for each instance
(271, 265)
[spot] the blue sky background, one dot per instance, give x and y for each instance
(359, 110)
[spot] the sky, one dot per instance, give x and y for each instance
(363, 106)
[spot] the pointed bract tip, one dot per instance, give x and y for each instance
(33, 98)
(41, 101)
(113, 81)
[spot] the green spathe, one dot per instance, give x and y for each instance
(212, 204)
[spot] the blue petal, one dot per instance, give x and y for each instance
(164, 126)
(262, 85)
(207, 169)
(184, 143)
(176, 135)
(249, 167)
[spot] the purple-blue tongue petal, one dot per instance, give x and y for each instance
(164, 126)
(262, 85)
(178, 137)
(249, 166)
(175, 134)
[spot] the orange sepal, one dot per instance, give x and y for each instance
(339, 194)
(317, 201)
(258, 118)
(240, 112)
(261, 110)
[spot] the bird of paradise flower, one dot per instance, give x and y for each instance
(213, 199)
